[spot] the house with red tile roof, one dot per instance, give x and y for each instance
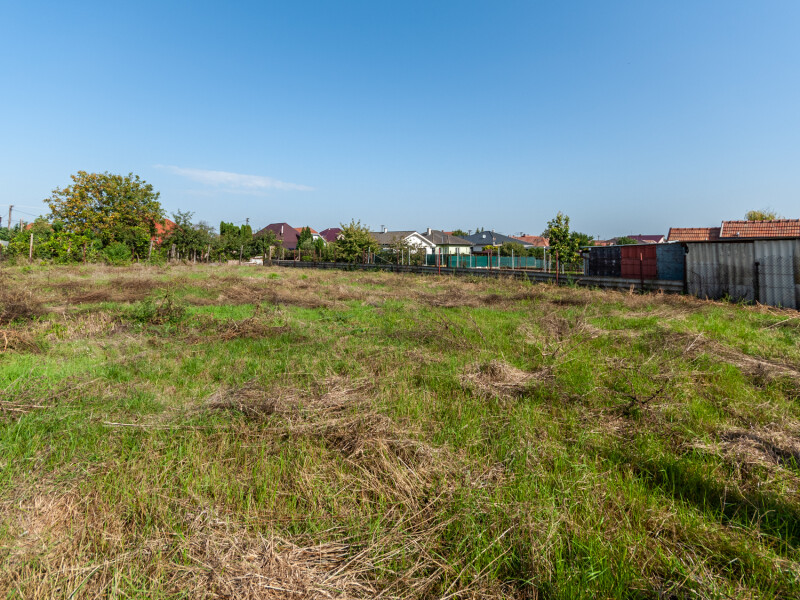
(779, 228)
(163, 229)
(535, 241)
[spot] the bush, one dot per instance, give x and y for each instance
(117, 254)
(157, 312)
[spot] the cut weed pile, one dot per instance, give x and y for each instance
(240, 432)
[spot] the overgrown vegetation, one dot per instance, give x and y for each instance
(180, 431)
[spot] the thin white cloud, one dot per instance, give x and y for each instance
(235, 181)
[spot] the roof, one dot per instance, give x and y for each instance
(311, 229)
(779, 228)
(162, 229)
(387, 238)
(285, 233)
(693, 234)
(534, 240)
(647, 239)
(440, 238)
(330, 234)
(485, 238)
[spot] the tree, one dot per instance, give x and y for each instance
(508, 247)
(190, 240)
(762, 215)
(306, 238)
(626, 241)
(112, 208)
(561, 241)
(583, 239)
(354, 241)
(460, 233)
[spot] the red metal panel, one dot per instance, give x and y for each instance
(639, 261)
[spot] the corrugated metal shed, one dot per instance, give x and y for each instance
(721, 269)
(605, 261)
(778, 272)
(670, 259)
(639, 261)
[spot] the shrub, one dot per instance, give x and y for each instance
(117, 254)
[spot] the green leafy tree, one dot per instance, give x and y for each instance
(260, 244)
(762, 215)
(354, 241)
(561, 240)
(191, 240)
(460, 233)
(306, 238)
(111, 208)
(582, 239)
(508, 247)
(626, 241)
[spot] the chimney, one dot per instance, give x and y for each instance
(385, 230)
(429, 231)
(281, 230)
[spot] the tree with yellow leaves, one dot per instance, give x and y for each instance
(111, 208)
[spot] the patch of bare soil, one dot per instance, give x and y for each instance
(498, 379)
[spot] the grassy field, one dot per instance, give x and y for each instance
(240, 432)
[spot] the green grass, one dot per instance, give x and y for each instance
(206, 431)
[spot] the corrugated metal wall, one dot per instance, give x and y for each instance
(639, 261)
(605, 261)
(778, 272)
(670, 259)
(721, 269)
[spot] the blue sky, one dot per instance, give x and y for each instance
(630, 117)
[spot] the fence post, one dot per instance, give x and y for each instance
(756, 283)
(30, 250)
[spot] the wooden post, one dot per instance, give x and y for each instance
(241, 250)
(30, 250)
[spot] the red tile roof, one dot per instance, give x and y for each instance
(300, 230)
(534, 240)
(780, 228)
(693, 234)
(163, 229)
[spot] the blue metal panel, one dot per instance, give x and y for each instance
(670, 261)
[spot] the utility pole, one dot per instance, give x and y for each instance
(10, 206)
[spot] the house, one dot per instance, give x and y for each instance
(331, 234)
(532, 241)
(390, 239)
(779, 228)
(481, 239)
(444, 243)
(285, 233)
(648, 239)
(162, 230)
(314, 233)
(693, 234)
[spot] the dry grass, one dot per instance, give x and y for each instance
(498, 379)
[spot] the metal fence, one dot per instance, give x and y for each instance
(482, 261)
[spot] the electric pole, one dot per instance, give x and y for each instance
(10, 206)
